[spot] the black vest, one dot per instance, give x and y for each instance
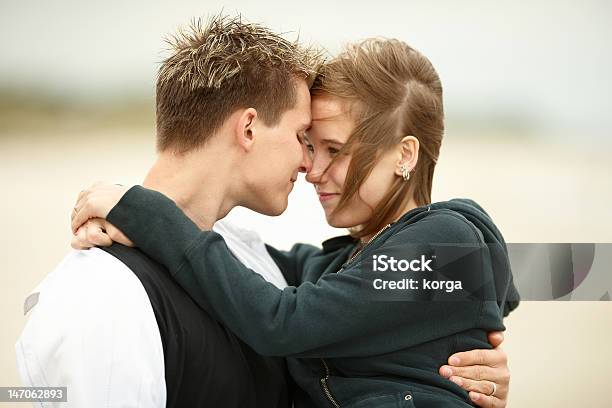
(206, 365)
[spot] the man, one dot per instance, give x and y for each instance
(232, 103)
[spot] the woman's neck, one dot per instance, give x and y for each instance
(410, 205)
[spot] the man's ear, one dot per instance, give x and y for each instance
(407, 154)
(245, 128)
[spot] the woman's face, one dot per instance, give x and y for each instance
(331, 128)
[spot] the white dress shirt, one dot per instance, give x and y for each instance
(92, 328)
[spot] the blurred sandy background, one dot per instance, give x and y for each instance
(528, 136)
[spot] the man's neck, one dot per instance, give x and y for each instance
(202, 191)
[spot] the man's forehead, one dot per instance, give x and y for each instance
(301, 112)
(304, 117)
(298, 118)
(305, 123)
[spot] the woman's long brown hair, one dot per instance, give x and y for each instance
(391, 91)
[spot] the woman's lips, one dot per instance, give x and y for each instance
(327, 196)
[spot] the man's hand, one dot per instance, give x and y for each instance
(98, 232)
(476, 371)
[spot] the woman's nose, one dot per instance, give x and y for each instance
(312, 178)
(316, 172)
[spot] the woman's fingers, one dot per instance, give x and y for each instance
(96, 202)
(116, 235)
(74, 242)
(76, 204)
(83, 194)
(79, 239)
(82, 212)
(91, 234)
(96, 234)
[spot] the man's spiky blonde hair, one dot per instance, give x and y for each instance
(220, 66)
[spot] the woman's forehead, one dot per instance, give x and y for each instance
(329, 108)
(330, 131)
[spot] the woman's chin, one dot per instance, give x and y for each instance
(337, 222)
(331, 220)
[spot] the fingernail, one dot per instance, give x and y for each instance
(454, 360)
(474, 396)
(457, 381)
(446, 372)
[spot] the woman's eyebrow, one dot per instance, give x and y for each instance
(334, 141)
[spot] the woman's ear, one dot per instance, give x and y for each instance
(407, 154)
(245, 128)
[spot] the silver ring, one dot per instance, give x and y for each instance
(494, 389)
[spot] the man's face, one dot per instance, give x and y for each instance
(278, 156)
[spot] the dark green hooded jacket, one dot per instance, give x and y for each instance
(346, 344)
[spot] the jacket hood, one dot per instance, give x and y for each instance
(507, 294)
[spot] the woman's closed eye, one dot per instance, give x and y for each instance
(333, 151)
(304, 141)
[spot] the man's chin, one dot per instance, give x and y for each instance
(275, 209)
(270, 205)
(276, 213)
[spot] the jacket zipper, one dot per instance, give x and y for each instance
(325, 385)
(325, 379)
(364, 247)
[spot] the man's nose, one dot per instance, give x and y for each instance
(306, 164)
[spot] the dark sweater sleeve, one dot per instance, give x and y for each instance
(333, 318)
(292, 262)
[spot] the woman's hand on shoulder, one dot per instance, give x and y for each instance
(96, 202)
(89, 227)
(98, 232)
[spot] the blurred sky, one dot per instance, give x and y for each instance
(541, 66)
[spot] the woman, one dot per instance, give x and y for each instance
(374, 142)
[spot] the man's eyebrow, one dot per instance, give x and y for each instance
(306, 125)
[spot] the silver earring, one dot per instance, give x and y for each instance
(405, 172)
